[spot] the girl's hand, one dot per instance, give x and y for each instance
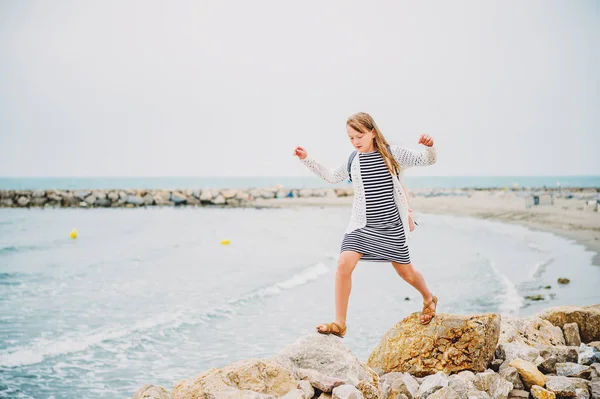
(426, 140)
(300, 152)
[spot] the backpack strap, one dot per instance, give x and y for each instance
(350, 159)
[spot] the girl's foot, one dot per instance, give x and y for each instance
(428, 311)
(338, 329)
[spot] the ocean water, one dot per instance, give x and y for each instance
(150, 296)
(31, 183)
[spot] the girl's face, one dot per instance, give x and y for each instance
(363, 142)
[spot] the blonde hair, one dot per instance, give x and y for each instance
(364, 122)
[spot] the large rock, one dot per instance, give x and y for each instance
(23, 201)
(574, 370)
(394, 384)
(493, 384)
(346, 392)
(532, 331)
(588, 355)
(135, 200)
(567, 387)
(431, 384)
(253, 378)
(511, 375)
(449, 343)
(325, 362)
(178, 198)
(444, 393)
(586, 317)
(151, 392)
(530, 375)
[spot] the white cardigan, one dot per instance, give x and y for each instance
(405, 158)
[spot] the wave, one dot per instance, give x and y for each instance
(41, 349)
(509, 301)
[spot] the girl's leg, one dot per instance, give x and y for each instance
(343, 284)
(414, 278)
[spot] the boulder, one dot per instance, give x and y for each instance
(566, 386)
(178, 198)
(540, 393)
(586, 317)
(530, 375)
(449, 343)
(571, 331)
(492, 384)
(245, 379)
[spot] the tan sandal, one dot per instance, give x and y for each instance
(427, 310)
(340, 332)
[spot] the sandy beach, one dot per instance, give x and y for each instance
(574, 218)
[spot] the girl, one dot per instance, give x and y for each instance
(380, 211)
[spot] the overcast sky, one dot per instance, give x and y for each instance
(229, 88)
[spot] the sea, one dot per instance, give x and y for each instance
(72, 183)
(159, 295)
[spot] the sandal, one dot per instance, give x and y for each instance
(340, 332)
(427, 310)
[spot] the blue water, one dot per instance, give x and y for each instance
(31, 183)
(150, 296)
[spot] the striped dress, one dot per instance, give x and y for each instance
(382, 239)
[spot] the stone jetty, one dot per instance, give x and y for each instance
(146, 198)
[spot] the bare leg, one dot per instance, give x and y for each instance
(343, 285)
(414, 278)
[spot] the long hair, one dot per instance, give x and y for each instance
(363, 122)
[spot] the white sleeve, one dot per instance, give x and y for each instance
(407, 157)
(336, 175)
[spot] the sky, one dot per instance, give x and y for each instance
(230, 88)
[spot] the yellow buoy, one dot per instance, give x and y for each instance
(73, 234)
(225, 242)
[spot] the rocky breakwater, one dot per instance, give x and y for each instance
(145, 198)
(553, 354)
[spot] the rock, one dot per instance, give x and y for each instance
(563, 280)
(23, 201)
(81, 194)
(475, 394)
(99, 194)
(461, 385)
(518, 394)
(148, 199)
(178, 198)
(493, 384)
(449, 343)
(496, 363)
(346, 391)
(38, 201)
(308, 390)
(566, 386)
(327, 356)
(444, 393)
(571, 331)
(151, 392)
(228, 194)
(113, 196)
(90, 199)
(529, 373)
(368, 390)
(6, 202)
(135, 200)
(516, 350)
(596, 368)
(586, 317)
(295, 394)
(574, 370)
(548, 365)
(206, 196)
(396, 383)
(324, 395)
(588, 355)
(322, 382)
(253, 378)
(532, 331)
(103, 202)
(220, 200)
(38, 194)
(193, 201)
(160, 196)
(562, 353)
(432, 383)
(595, 389)
(538, 297)
(305, 192)
(511, 375)
(540, 393)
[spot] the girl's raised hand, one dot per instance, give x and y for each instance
(426, 140)
(300, 152)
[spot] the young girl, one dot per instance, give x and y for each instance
(376, 231)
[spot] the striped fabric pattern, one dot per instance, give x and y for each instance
(383, 238)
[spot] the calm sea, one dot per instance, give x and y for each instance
(19, 183)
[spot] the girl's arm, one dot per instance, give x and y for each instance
(336, 175)
(407, 157)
